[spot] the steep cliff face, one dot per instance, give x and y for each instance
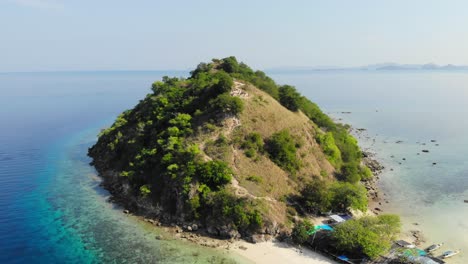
(220, 150)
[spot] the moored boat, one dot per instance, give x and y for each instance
(450, 253)
(434, 247)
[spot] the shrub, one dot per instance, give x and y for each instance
(333, 154)
(214, 174)
(371, 236)
(299, 232)
(224, 83)
(350, 173)
(227, 104)
(252, 144)
(365, 172)
(315, 197)
(346, 195)
(255, 178)
(230, 64)
(227, 209)
(282, 150)
(289, 97)
(145, 190)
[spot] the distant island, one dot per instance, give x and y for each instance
(375, 67)
(231, 154)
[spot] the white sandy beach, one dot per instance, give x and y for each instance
(277, 252)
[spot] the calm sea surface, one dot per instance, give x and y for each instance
(52, 209)
(415, 108)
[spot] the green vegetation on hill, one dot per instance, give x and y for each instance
(174, 152)
(320, 196)
(340, 147)
(149, 147)
(282, 150)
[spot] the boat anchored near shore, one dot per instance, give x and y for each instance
(450, 253)
(434, 247)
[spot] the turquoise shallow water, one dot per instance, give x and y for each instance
(415, 108)
(52, 209)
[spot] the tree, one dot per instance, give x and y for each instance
(228, 104)
(289, 97)
(214, 174)
(316, 197)
(224, 83)
(369, 235)
(345, 195)
(350, 173)
(230, 64)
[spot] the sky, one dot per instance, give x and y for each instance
(59, 35)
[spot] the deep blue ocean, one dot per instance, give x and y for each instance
(52, 209)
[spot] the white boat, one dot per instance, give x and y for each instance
(434, 247)
(451, 253)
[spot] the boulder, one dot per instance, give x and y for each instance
(227, 232)
(212, 231)
(254, 239)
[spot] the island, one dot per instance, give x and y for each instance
(228, 153)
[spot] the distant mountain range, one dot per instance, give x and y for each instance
(376, 67)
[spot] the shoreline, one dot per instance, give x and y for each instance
(264, 248)
(270, 250)
(260, 248)
(377, 200)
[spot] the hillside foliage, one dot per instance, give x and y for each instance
(153, 150)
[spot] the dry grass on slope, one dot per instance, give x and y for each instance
(260, 178)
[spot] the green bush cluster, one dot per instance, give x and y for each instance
(282, 150)
(333, 153)
(253, 145)
(227, 104)
(300, 232)
(320, 196)
(289, 97)
(371, 236)
(224, 208)
(214, 174)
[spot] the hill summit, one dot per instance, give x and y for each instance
(230, 150)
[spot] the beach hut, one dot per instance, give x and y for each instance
(337, 219)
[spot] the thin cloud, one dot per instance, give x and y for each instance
(39, 4)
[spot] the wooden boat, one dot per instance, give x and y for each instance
(434, 247)
(450, 253)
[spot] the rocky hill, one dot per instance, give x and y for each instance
(229, 150)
